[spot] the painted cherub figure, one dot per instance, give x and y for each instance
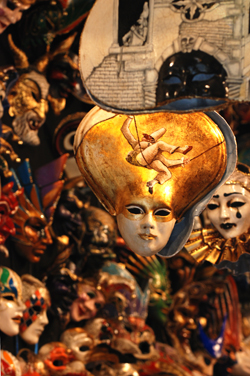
(148, 153)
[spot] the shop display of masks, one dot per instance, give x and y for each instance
(124, 188)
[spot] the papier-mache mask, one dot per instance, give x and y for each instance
(155, 172)
(165, 55)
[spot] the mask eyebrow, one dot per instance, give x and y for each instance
(232, 193)
(216, 196)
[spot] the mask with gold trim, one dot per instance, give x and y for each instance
(154, 171)
(226, 242)
(36, 207)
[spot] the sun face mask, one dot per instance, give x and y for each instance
(159, 55)
(154, 171)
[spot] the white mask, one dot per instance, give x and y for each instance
(145, 228)
(229, 210)
(32, 334)
(11, 305)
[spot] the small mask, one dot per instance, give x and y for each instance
(9, 364)
(80, 342)
(11, 12)
(228, 209)
(155, 172)
(59, 360)
(226, 242)
(11, 305)
(37, 300)
(90, 300)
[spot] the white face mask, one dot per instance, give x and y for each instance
(145, 228)
(229, 210)
(11, 312)
(32, 334)
(79, 341)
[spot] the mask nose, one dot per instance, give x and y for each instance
(42, 109)
(43, 318)
(147, 222)
(224, 212)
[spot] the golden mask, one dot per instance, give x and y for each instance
(153, 168)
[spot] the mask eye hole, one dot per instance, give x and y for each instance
(37, 309)
(212, 206)
(9, 297)
(134, 209)
(91, 294)
(162, 212)
(236, 204)
(84, 348)
(58, 363)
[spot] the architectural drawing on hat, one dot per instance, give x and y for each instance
(166, 50)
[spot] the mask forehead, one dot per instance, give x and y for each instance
(10, 283)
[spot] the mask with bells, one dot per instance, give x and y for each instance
(37, 300)
(11, 305)
(228, 240)
(178, 63)
(152, 187)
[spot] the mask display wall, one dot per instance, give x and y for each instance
(154, 171)
(165, 55)
(228, 212)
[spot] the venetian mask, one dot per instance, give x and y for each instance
(11, 305)
(11, 12)
(9, 365)
(88, 303)
(59, 360)
(79, 341)
(163, 57)
(229, 208)
(8, 207)
(36, 207)
(28, 106)
(164, 171)
(28, 96)
(36, 299)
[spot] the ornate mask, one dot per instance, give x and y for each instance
(228, 209)
(11, 305)
(11, 12)
(165, 169)
(36, 207)
(59, 360)
(9, 364)
(36, 299)
(28, 104)
(226, 242)
(79, 341)
(89, 301)
(8, 207)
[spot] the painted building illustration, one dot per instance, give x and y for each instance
(171, 49)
